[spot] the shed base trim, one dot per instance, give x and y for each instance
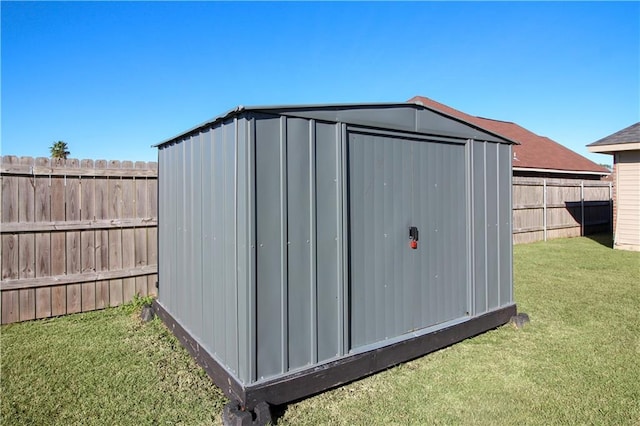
(320, 378)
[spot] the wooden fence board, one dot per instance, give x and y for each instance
(10, 307)
(102, 294)
(152, 233)
(10, 249)
(141, 233)
(115, 235)
(9, 257)
(128, 234)
(26, 242)
(27, 304)
(43, 302)
(43, 240)
(87, 238)
(152, 259)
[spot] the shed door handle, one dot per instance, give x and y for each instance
(413, 233)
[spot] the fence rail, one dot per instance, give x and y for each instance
(77, 235)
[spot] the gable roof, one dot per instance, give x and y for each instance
(391, 116)
(623, 140)
(535, 153)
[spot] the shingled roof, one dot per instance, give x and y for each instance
(629, 137)
(535, 153)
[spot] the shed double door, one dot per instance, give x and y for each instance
(396, 183)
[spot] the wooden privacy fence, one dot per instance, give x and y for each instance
(77, 235)
(558, 208)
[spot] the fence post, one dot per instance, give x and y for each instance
(582, 227)
(544, 207)
(610, 207)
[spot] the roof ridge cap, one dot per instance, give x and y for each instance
(495, 119)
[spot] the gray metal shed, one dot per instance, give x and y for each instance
(287, 234)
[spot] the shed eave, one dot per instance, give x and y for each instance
(232, 112)
(279, 109)
(611, 148)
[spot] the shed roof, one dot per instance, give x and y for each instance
(404, 116)
(535, 152)
(624, 140)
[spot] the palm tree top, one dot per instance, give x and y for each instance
(59, 150)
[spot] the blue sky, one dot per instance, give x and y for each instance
(113, 78)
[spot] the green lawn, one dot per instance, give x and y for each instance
(578, 362)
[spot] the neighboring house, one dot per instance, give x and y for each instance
(536, 156)
(557, 193)
(625, 148)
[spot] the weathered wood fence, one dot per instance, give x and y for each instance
(559, 208)
(77, 235)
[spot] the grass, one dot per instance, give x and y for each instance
(577, 362)
(102, 368)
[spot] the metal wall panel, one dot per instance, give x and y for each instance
(228, 235)
(198, 239)
(180, 260)
(479, 240)
(269, 296)
(297, 277)
(194, 283)
(394, 184)
(245, 315)
(492, 245)
(505, 230)
(210, 294)
(328, 273)
(217, 256)
(299, 243)
(492, 224)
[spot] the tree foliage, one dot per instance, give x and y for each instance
(59, 150)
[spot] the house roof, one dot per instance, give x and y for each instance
(624, 140)
(535, 153)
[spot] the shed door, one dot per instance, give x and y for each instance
(394, 184)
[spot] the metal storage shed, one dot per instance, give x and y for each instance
(302, 247)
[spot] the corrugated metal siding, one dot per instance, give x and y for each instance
(492, 244)
(479, 218)
(297, 241)
(505, 230)
(255, 227)
(491, 211)
(198, 283)
(245, 250)
(394, 184)
(328, 219)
